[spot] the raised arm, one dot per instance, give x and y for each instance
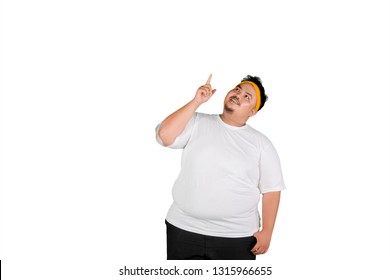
(174, 124)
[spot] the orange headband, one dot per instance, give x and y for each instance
(258, 99)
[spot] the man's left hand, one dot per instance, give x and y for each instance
(263, 241)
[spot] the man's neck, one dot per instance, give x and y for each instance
(231, 120)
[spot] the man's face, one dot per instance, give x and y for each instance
(241, 101)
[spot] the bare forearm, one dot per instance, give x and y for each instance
(175, 123)
(269, 210)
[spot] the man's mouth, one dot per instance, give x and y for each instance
(235, 100)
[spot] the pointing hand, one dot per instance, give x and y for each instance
(204, 92)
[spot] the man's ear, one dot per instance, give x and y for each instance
(252, 112)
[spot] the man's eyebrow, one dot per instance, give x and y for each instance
(249, 94)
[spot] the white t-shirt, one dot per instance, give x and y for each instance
(224, 169)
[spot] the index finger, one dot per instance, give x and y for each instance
(209, 79)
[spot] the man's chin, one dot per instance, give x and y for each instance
(228, 109)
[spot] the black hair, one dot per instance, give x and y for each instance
(257, 81)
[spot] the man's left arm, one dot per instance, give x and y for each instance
(270, 205)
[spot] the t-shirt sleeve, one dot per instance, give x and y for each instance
(181, 140)
(271, 177)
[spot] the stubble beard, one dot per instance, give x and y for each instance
(228, 109)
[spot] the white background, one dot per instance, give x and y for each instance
(85, 187)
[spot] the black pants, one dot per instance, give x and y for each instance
(185, 245)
